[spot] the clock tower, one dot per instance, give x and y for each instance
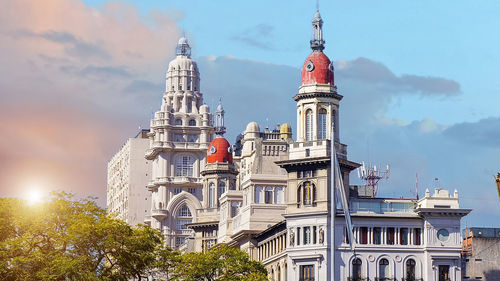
(309, 188)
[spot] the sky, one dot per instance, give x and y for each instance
(419, 80)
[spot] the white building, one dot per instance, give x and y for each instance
(128, 175)
(180, 133)
(272, 196)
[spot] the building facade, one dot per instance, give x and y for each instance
(128, 176)
(274, 198)
(481, 254)
(180, 134)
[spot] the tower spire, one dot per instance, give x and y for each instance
(220, 129)
(317, 42)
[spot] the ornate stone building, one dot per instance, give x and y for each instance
(180, 134)
(273, 197)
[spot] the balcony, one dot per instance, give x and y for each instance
(159, 214)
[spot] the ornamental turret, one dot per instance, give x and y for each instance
(317, 100)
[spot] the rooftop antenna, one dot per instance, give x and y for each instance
(372, 175)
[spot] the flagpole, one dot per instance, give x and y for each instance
(332, 203)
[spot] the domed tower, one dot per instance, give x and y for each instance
(221, 197)
(317, 100)
(181, 132)
(309, 190)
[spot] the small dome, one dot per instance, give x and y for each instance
(285, 131)
(220, 151)
(285, 128)
(219, 107)
(252, 127)
(317, 69)
(204, 108)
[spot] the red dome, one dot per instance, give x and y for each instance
(317, 69)
(220, 151)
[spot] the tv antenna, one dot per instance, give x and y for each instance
(372, 175)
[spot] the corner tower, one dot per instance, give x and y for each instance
(317, 100)
(309, 189)
(180, 134)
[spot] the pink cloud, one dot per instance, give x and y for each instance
(66, 71)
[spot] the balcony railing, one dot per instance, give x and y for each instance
(382, 207)
(159, 213)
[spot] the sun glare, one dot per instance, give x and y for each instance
(34, 196)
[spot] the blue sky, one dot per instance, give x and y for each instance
(419, 79)
(451, 39)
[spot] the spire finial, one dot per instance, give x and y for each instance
(317, 42)
(220, 129)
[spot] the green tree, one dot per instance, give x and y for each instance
(64, 239)
(220, 263)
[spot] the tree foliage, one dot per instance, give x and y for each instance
(66, 239)
(220, 263)
(62, 239)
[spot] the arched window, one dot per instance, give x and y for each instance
(192, 122)
(278, 195)
(383, 269)
(356, 269)
(322, 124)
(410, 270)
(308, 195)
(184, 211)
(211, 195)
(309, 125)
(222, 188)
(278, 271)
(183, 217)
(234, 209)
(178, 122)
(184, 166)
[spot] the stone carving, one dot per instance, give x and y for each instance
(292, 238)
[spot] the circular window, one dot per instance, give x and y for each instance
(310, 66)
(443, 234)
(212, 149)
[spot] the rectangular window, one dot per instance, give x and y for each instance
(298, 236)
(306, 272)
(314, 235)
(307, 235)
(390, 236)
(192, 190)
(377, 235)
(417, 233)
(278, 195)
(181, 224)
(179, 240)
(258, 194)
(364, 235)
(177, 190)
(346, 235)
(268, 198)
(403, 236)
